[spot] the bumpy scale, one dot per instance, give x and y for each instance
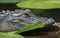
(14, 20)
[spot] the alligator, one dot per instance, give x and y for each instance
(14, 20)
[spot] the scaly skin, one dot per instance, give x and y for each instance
(14, 20)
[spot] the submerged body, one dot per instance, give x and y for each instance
(14, 20)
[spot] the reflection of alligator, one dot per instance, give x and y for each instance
(13, 20)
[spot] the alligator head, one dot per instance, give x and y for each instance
(14, 20)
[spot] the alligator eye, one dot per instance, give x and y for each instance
(26, 15)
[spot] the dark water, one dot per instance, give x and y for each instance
(54, 13)
(8, 6)
(41, 31)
